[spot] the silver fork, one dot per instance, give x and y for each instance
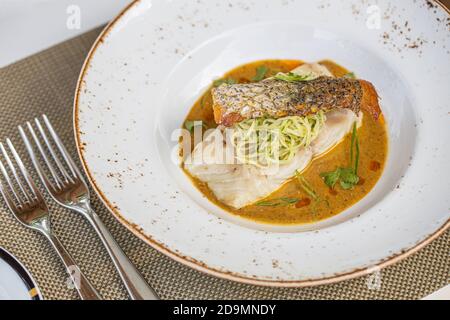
(29, 207)
(70, 190)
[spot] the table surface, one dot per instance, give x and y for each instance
(29, 26)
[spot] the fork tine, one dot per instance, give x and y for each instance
(9, 202)
(50, 187)
(14, 172)
(10, 184)
(61, 168)
(24, 171)
(41, 151)
(73, 168)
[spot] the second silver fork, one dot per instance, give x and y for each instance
(70, 190)
(29, 207)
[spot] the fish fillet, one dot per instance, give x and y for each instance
(277, 98)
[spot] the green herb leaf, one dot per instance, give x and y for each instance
(354, 160)
(348, 177)
(267, 204)
(306, 186)
(331, 178)
(350, 75)
(309, 190)
(290, 200)
(281, 202)
(356, 167)
(346, 186)
(291, 77)
(219, 82)
(352, 145)
(261, 72)
(191, 124)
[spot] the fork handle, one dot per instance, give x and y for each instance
(135, 283)
(82, 284)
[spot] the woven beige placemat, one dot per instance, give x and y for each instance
(45, 83)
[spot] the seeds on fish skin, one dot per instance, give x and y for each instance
(271, 96)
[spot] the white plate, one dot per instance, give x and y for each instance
(16, 283)
(153, 61)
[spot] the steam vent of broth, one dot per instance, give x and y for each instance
(333, 164)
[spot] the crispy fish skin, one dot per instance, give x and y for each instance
(277, 98)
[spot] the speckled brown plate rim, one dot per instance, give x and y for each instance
(198, 265)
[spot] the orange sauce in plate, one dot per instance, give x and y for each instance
(373, 141)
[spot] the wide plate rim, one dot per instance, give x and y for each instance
(197, 265)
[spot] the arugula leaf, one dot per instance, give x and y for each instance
(291, 77)
(191, 124)
(219, 82)
(261, 72)
(350, 75)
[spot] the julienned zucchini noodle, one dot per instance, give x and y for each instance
(265, 141)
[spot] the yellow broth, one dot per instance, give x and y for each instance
(373, 141)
